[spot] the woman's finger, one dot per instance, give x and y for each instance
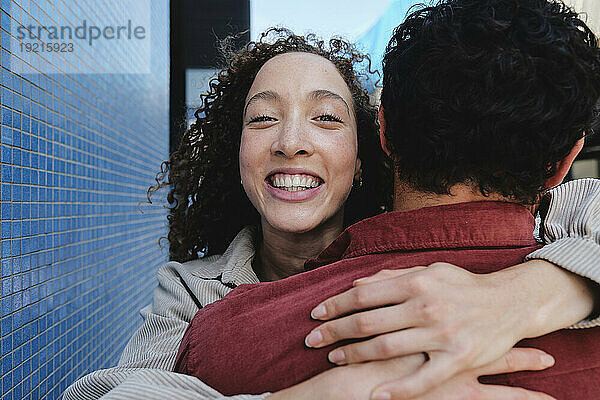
(386, 274)
(434, 372)
(497, 392)
(518, 359)
(364, 324)
(443, 367)
(384, 347)
(475, 390)
(376, 294)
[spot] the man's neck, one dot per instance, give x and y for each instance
(407, 198)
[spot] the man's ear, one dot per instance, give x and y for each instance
(382, 138)
(564, 165)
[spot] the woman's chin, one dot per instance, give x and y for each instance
(293, 223)
(301, 227)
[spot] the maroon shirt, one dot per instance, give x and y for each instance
(252, 341)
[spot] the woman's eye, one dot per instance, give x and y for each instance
(262, 118)
(328, 118)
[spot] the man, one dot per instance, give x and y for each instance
(484, 106)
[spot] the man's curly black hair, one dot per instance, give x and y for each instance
(492, 93)
(208, 203)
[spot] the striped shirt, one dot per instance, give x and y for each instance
(571, 230)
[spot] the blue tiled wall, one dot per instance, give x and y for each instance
(78, 257)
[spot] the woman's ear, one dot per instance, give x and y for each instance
(357, 170)
(382, 138)
(563, 166)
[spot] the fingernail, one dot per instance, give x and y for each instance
(313, 339)
(337, 356)
(381, 396)
(358, 281)
(318, 312)
(548, 360)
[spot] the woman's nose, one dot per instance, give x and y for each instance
(292, 140)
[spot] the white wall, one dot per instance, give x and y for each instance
(591, 8)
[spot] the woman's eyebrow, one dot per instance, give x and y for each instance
(327, 94)
(265, 95)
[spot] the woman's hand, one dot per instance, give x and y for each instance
(351, 382)
(465, 385)
(460, 319)
(357, 381)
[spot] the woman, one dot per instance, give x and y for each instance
(336, 120)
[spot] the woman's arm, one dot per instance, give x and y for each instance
(357, 381)
(474, 318)
(343, 383)
(155, 343)
(144, 369)
(148, 358)
(571, 234)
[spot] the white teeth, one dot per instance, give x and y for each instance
(295, 182)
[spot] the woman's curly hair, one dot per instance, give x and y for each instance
(208, 205)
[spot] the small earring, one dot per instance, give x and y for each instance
(241, 182)
(360, 182)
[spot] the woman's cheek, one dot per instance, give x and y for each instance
(343, 155)
(248, 167)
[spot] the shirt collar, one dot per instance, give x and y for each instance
(481, 224)
(234, 266)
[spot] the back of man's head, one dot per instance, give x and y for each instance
(492, 93)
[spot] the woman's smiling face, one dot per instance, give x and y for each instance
(298, 152)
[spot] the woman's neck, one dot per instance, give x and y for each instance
(282, 254)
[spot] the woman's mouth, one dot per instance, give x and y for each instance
(293, 182)
(291, 186)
